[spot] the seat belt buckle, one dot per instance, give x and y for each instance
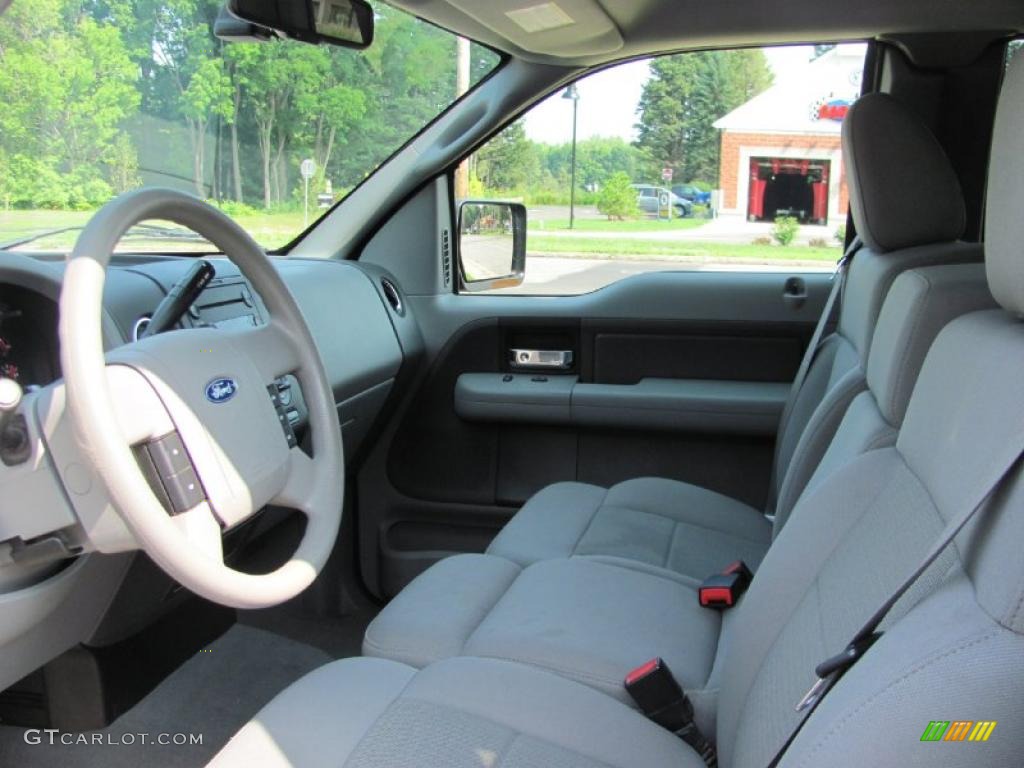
(722, 590)
(658, 695)
(663, 700)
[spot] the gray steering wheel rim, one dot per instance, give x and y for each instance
(92, 412)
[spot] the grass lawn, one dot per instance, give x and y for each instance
(646, 224)
(621, 249)
(271, 230)
(275, 229)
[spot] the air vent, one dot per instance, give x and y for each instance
(446, 258)
(392, 295)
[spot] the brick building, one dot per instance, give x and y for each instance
(780, 151)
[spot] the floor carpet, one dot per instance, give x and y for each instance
(212, 694)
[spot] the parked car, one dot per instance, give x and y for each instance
(692, 193)
(653, 199)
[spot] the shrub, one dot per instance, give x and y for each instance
(784, 230)
(818, 242)
(235, 208)
(840, 234)
(762, 240)
(617, 199)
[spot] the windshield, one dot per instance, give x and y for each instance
(103, 96)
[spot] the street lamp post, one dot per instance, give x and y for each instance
(574, 95)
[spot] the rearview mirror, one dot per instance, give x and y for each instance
(348, 23)
(492, 245)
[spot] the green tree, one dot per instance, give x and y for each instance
(617, 198)
(208, 95)
(67, 84)
(684, 96)
(508, 161)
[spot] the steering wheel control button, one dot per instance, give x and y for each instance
(184, 490)
(288, 417)
(168, 468)
(284, 391)
(169, 456)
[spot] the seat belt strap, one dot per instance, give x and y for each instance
(827, 318)
(830, 670)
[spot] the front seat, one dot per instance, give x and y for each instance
(952, 648)
(909, 211)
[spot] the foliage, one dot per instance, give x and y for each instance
(102, 95)
(684, 96)
(508, 161)
(617, 199)
(840, 234)
(66, 82)
(784, 230)
(818, 242)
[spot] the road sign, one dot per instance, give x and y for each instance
(307, 168)
(666, 174)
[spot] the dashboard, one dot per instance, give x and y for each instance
(365, 338)
(362, 338)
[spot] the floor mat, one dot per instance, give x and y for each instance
(339, 636)
(212, 695)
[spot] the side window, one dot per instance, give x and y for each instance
(723, 159)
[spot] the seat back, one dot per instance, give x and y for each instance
(890, 156)
(953, 648)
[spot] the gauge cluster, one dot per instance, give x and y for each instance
(28, 336)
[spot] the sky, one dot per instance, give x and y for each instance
(608, 99)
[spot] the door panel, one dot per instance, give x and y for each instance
(437, 483)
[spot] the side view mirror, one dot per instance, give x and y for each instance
(348, 23)
(492, 245)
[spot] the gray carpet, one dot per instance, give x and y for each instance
(212, 694)
(338, 636)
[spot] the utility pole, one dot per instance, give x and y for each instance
(573, 94)
(462, 61)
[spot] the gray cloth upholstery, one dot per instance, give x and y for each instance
(889, 151)
(641, 548)
(919, 305)
(1004, 225)
(372, 713)
(586, 619)
(852, 539)
(665, 523)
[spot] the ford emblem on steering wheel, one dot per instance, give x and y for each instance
(221, 390)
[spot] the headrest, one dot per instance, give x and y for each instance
(903, 190)
(1004, 219)
(920, 303)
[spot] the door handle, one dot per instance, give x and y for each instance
(541, 358)
(794, 292)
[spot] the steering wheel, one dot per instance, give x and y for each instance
(208, 389)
